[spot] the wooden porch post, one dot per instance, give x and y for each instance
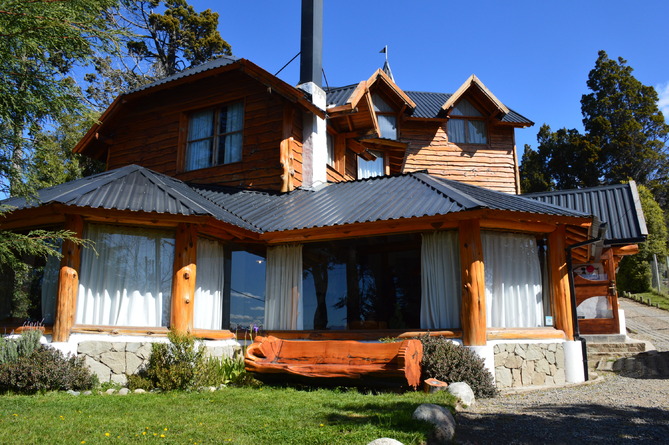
(68, 280)
(473, 310)
(183, 284)
(559, 276)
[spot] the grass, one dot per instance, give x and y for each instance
(656, 298)
(264, 415)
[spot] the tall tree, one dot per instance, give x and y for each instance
(155, 45)
(41, 41)
(621, 116)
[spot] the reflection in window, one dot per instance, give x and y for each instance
(386, 116)
(371, 283)
(247, 290)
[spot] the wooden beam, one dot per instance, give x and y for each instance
(631, 249)
(183, 284)
(285, 150)
(559, 277)
(68, 281)
(524, 333)
(473, 308)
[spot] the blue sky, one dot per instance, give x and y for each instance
(533, 55)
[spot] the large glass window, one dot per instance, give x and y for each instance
(210, 303)
(127, 280)
(247, 290)
(372, 283)
(215, 136)
(467, 125)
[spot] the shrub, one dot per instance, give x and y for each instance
(45, 369)
(451, 362)
(15, 348)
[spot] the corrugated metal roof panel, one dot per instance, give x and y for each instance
(428, 105)
(340, 95)
(616, 205)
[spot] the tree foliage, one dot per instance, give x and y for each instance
(625, 137)
(634, 274)
(154, 45)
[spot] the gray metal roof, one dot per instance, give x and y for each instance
(616, 205)
(384, 198)
(428, 105)
(131, 188)
(206, 66)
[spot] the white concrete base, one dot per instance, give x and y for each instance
(487, 353)
(573, 362)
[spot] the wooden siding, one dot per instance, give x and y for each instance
(152, 132)
(491, 166)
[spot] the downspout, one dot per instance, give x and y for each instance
(572, 291)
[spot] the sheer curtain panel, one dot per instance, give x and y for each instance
(129, 281)
(440, 281)
(283, 301)
(513, 288)
(210, 280)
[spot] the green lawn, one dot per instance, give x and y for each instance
(255, 416)
(660, 299)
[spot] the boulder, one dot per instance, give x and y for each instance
(441, 418)
(462, 391)
(385, 441)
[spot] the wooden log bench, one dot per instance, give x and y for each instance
(336, 358)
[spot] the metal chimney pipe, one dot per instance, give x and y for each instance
(311, 47)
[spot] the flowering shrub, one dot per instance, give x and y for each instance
(13, 349)
(451, 362)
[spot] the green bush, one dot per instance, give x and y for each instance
(451, 362)
(15, 348)
(45, 369)
(182, 364)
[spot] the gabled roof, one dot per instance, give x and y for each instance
(131, 188)
(616, 205)
(474, 83)
(384, 198)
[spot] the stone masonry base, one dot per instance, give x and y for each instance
(529, 364)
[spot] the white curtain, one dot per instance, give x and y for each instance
(477, 132)
(440, 281)
(208, 310)
(50, 288)
(234, 123)
(370, 169)
(456, 130)
(200, 137)
(512, 280)
(283, 291)
(129, 282)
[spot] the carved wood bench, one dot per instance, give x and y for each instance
(336, 358)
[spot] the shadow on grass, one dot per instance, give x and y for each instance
(589, 423)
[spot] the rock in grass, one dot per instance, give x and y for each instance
(110, 391)
(73, 393)
(441, 418)
(385, 441)
(123, 392)
(463, 392)
(139, 391)
(87, 393)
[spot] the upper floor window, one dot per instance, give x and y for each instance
(370, 169)
(386, 116)
(467, 125)
(331, 149)
(215, 136)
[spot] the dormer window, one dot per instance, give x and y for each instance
(215, 136)
(375, 167)
(386, 116)
(467, 125)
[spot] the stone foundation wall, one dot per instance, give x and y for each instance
(533, 364)
(115, 361)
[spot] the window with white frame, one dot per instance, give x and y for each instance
(375, 167)
(386, 116)
(467, 125)
(215, 136)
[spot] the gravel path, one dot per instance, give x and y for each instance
(625, 408)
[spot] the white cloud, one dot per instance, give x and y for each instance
(663, 103)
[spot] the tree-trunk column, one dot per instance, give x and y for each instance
(68, 280)
(472, 311)
(183, 285)
(559, 275)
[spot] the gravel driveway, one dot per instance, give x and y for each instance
(626, 408)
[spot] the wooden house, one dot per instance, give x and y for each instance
(233, 200)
